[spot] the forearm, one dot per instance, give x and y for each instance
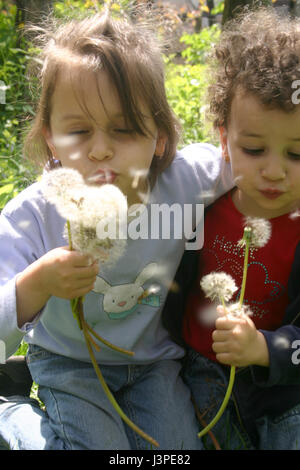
(31, 295)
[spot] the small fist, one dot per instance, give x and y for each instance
(237, 342)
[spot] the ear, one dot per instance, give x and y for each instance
(148, 272)
(48, 138)
(101, 286)
(160, 145)
(224, 144)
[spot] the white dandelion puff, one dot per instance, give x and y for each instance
(257, 230)
(218, 286)
(59, 187)
(238, 310)
(86, 207)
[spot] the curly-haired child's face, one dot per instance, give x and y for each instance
(88, 132)
(264, 149)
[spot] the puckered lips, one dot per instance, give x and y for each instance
(103, 176)
(271, 193)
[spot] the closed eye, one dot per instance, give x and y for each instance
(294, 156)
(124, 131)
(255, 152)
(80, 131)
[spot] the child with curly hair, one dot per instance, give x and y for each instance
(254, 104)
(102, 111)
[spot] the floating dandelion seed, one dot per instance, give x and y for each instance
(282, 342)
(295, 214)
(218, 286)
(24, 224)
(208, 315)
(75, 156)
(136, 174)
(65, 140)
(206, 195)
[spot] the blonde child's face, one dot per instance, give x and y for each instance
(95, 139)
(264, 149)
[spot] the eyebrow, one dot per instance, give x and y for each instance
(250, 134)
(69, 117)
(247, 134)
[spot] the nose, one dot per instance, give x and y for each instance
(101, 146)
(274, 169)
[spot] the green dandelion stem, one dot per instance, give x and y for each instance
(247, 239)
(108, 392)
(69, 235)
(104, 341)
(223, 406)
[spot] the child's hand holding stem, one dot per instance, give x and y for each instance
(61, 273)
(237, 342)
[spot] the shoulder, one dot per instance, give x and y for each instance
(202, 154)
(195, 161)
(29, 200)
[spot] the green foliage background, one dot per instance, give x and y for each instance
(185, 85)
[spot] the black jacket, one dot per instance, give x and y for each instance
(257, 390)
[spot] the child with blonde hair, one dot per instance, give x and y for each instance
(103, 112)
(255, 104)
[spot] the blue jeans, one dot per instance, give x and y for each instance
(208, 383)
(79, 416)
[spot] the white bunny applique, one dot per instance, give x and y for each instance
(123, 300)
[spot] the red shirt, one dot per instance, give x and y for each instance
(269, 269)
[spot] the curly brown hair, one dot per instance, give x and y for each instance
(259, 53)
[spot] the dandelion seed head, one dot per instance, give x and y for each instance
(217, 286)
(57, 185)
(84, 206)
(238, 310)
(260, 234)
